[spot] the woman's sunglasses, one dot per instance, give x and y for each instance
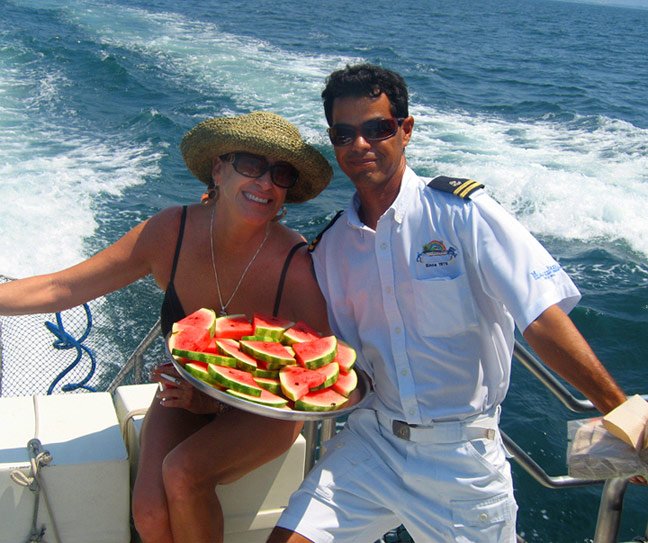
(283, 175)
(374, 130)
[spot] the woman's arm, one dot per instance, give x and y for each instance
(123, 262)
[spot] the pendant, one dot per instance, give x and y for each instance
(222, 312)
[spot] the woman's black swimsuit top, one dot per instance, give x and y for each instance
(172, 310)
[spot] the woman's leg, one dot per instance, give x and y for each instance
(230, 446)
(163, 429)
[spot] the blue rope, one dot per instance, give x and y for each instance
(65, 341)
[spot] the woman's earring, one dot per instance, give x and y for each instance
(282, 213)
(211, 194)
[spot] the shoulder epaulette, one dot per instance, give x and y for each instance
(316, 239)
(459, 187)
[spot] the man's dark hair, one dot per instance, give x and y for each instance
(366, 80)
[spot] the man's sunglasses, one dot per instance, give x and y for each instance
(283, 175)
(374, 130)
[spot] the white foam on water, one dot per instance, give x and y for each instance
(571, 181)
(51, 171)
(253, 73)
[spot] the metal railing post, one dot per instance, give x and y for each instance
(136, 358)
(310, 435)
(610, 509)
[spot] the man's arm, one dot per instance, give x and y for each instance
(555, 338)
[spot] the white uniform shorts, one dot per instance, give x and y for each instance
(369, 481)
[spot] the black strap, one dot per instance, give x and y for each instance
(282, 277)
(176, 256)
(316, 239)
(455, 185)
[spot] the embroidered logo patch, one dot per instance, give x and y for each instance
(547, 273)
(436, 254)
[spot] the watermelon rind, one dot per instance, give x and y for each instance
(258, 338)
(203, 318)
(331, 372)
(208, 358)
(231, 348)
(271, 385)
(266, 398)
(199, 371)
(233, 327)
(316, 353)
(298, 333)
(270, 326)
(321, 400)
(273, 353)
(235, 379)
(346, 383)
(268, 374)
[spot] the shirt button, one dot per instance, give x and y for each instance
(404, 372)
(412, 411)
(483, 517)
(398, 330)
(383, 245)
(388, 290)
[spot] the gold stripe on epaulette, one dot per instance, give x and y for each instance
(466, 188)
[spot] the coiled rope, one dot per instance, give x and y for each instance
(38, 458)
(66, 341)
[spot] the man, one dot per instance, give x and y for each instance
(427, 284)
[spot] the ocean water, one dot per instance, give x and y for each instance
(545, 102)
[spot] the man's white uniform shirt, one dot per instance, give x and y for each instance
(430, 299)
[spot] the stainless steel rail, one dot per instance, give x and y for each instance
(136, 360)
(611, 505)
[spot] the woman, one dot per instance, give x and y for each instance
(228, 253)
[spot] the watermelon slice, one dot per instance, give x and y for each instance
(270, 327)
(272, 353)
(297, 381)
(189, 339)
(321, 400)
(230, 347)
(316, 353)
(266, 398)
(199, 371)
(204, 319)
(233, 327)
(235, 379)
(330, 372)
(298, 333)
(345, 357)
(346, 383)
(271, 385)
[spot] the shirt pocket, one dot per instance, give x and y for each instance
(444, 306)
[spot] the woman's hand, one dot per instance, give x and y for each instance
(176, 392)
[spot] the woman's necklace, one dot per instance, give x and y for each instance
(223, 306)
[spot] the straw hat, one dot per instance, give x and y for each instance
(261, 133)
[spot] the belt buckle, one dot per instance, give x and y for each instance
(401, 429)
